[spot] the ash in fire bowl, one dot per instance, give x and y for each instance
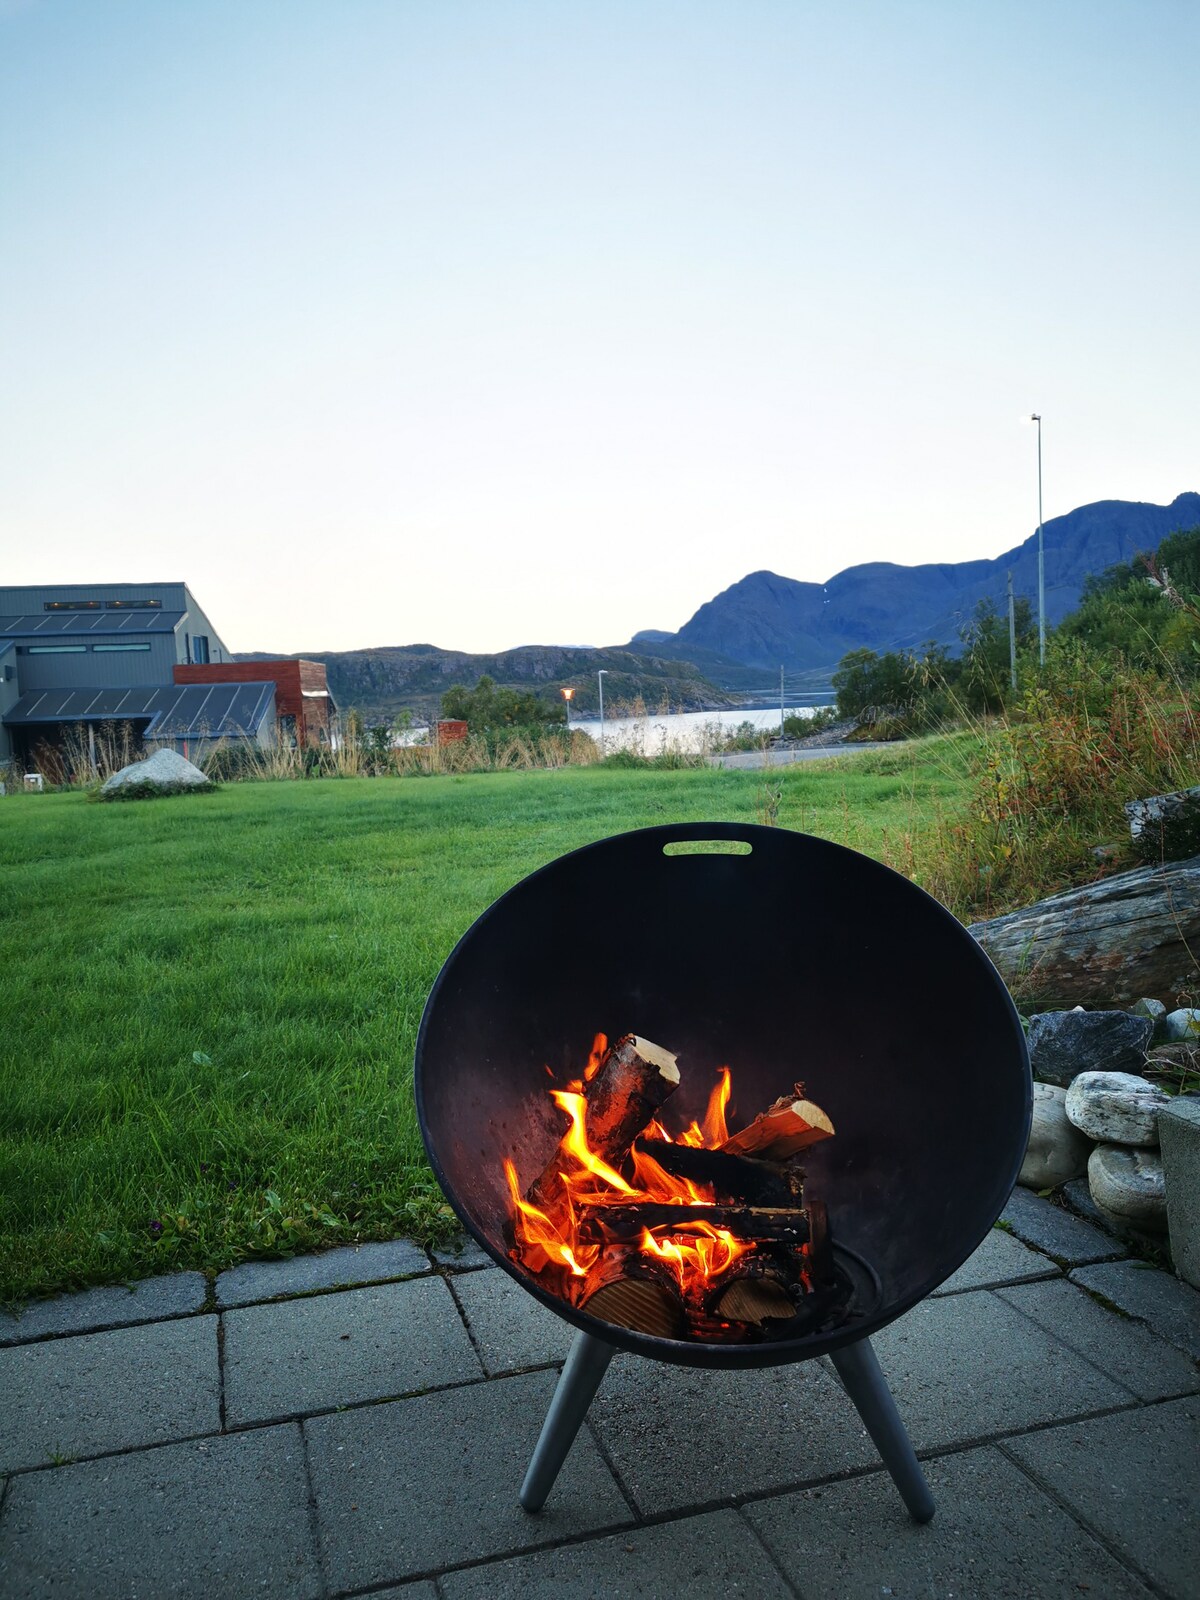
(701, 1234)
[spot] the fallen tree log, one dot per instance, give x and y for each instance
(1134, 935)
(758, 1224)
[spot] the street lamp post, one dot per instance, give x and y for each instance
(1036, 417)
(600, 681)
(567, 695)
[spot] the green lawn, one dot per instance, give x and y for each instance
(210, 1003)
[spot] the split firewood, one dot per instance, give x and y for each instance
(790, 1125)
(754, 1223)
(638, 1294)
(631, 1084)
(755, 1300)
(732, 1177)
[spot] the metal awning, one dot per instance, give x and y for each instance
(172, 711)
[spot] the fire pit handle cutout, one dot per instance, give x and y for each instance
(708, 847)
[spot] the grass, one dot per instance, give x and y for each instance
(210, 1010)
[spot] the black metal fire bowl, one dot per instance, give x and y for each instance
(797, 960)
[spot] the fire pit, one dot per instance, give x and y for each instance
(814, 1105)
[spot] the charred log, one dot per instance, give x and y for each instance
(754, 1223)
(732, 1177)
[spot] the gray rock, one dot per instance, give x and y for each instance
(1165, 827)
(1182, 1025)
(163, 770)
(1057, 1151)
(1116, 1108)
(1129, 1184)
(1149, 1007)
(1179, 1127)
(1062, 1044)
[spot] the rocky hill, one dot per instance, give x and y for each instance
(412, 677)
(766, 621)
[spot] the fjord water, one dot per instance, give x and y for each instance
(684, 730)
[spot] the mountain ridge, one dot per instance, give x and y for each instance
(765, 620)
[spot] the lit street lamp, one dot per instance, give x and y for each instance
(1040, 554)
(567, 695)
(600, 681)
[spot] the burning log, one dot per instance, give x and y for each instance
(820, 1250)
(637, 1295)
(788, 1126)
(732, 1177)
(755, 1223)
(633, 1080)
(755, 1299)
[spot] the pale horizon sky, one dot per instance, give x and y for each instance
(497, 322)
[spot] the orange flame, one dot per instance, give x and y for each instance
(548, 1241)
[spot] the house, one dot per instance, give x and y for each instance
(75, 658)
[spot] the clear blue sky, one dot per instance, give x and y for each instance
(497, 322)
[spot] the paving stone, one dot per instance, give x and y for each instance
(686, 1436)
(1062, 1235)
(330, 1269)
(215, 1518)
(705, 1558)
(109, 1391)
(336, 1349)
(408, 1488)
(999, 1259)
(463, 1256)
(510, 1328)
(176, 1295)
(993, 1538)
(1171, 1308)
(1124, 1349)
(967, 1366)
(1135, 1477)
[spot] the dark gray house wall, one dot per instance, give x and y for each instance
(194, 634)
(104, 661)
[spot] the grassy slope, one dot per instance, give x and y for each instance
(211, 1003)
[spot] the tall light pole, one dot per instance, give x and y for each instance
(1036, 417)
(600, 681)
(567, 695)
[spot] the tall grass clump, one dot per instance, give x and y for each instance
(1052, 776)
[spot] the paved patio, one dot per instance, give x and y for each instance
(368, 1433)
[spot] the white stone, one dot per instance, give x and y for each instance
(1057, 1151)
(1116, 1108)
(1183, 1024)
(164, 767)
(1129, 1184)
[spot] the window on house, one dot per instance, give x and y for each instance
(72, 605)
(57, 649)
(120, 647)
(200, 649)
(133, 605)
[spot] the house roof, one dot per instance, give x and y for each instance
(39, 624)
(175, 711)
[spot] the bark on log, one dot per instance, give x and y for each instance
(1134, 935)
(633, 1081)
(597, 1223)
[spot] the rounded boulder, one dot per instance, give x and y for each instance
(1116, 1108)
(1129, 1185)
(1057, 1151)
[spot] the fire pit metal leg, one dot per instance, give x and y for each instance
(581, 1377)
(858, 1368)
